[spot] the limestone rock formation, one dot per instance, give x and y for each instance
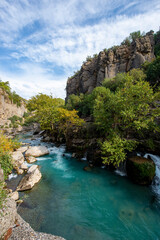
(18, 158)
(23, 149)
(7, 216)
(36, 151)
(30, 179)
(8, 109)
(108, 63)
(14, 195)
(24, 166)
(31, 159)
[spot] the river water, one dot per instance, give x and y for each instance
(94, 205)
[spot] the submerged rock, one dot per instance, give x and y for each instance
(140, 170)
(32, 177)
(36, 151)
(87, 168)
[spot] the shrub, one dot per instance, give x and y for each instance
(3, 194)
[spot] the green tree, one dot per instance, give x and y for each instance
(128, 110)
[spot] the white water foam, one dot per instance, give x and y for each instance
(12, 175)
(121, 173)
(156, 183)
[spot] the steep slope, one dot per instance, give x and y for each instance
(108, 63)
(8, 109)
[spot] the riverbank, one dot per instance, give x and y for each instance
(24, 232)
(12, 225)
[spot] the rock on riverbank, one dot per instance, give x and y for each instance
(32, 177)
(36, 151)
(24, 231)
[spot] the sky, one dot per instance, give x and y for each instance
(42, 42)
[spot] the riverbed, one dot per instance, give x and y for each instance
(90, 205)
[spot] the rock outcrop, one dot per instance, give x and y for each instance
(7, 216)
(32, 177)
(23, 231)
(8, 109)
(140, 170)
(36, 151)
(108, 63)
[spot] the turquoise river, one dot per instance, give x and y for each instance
(94, 205)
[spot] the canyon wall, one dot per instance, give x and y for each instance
(8, 109)
(108, 63)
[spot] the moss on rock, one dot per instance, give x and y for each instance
(140, 170)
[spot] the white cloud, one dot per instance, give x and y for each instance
(62, 40)
(35, 80)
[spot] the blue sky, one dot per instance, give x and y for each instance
(42, 42)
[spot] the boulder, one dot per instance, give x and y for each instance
(30, 179)
(22, 149)
(36, 151)
(14, 195)
(31, 159)
(19, 171)
(8, 216)
(32, 168)
(18, 158)
(140, 170)
(24, 166)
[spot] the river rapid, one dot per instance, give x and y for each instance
(94, 205)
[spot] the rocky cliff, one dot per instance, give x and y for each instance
(8, 109)
(108, 63)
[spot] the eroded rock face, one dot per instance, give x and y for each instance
(140, 170)
(8, 109)
(108, 64)
(36, 151)
(32, 177)
(7, 216)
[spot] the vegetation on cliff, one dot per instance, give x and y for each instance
(13, 96)
(125, 109)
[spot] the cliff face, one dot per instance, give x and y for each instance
(108, 63)
(8, 109)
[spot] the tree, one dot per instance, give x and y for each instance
(131, 109)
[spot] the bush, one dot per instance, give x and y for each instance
(7, 146)
(3, 194)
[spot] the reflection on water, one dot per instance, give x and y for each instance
(95, 205)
